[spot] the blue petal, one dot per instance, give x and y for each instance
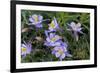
(31, 19)
(40, 18)
(39, 25)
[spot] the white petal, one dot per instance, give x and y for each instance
(64, 49)
(23, 45)
(72, 24)
(52, 35)
(63, 56)
(34, 15)
(48, 39)
(57, 54)
(78, 24)
(56, 48)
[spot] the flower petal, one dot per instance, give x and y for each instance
(31, 19)
(48, 39)
(78, 25)
(63, 56)
(57, 43)
(38, 25)
(40, 18)
(52, 35)
(79, 29)
(53, 52)
(72, 24)
(57, 54)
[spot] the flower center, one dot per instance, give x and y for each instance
(24, 49)
(36, 18)
(53, 39)
(52, 25)
(60, 51)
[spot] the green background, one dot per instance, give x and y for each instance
(80, 50)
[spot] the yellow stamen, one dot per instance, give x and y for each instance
(53, 39)
(60, 51)
(36, 18)
(24, 49)
(52, 25)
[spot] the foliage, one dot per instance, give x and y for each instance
(80, 50)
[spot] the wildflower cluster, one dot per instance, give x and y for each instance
(55, 41)
(58, 47)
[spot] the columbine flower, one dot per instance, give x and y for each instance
(26, 49)
(61, 51)
(75, 28)
(36, 20)
(53, 40)
(53, 26)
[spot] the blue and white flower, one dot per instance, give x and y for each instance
(26, 48)
(53, 26)
(36, 20)
(61, 51)
(53, 40)
(75, 28)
